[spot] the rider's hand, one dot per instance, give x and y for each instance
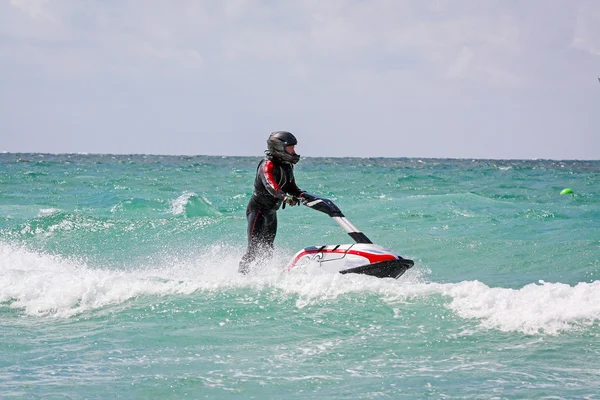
(290, 200)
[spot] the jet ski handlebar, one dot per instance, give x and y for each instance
(328, 207)
(320, 204)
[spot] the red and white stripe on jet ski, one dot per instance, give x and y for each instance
(372, 257)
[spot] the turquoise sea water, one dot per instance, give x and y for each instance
(118, 279)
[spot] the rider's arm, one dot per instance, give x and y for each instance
(268, 179)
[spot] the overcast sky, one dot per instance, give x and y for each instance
(383, 78)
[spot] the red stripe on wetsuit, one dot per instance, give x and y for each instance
(274, 188)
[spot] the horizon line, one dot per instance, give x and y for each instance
(306, 157)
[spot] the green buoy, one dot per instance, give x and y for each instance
(566, 191)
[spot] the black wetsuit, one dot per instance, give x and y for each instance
(273, 181)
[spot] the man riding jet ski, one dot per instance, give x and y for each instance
(275, 185)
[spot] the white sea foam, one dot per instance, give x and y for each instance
(178, 205)
(191, 204)
(45, 285)
(47, 211)
(544, 307)
(51, 285)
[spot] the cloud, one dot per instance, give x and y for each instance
(305, 35)
(338, 65)
(34, 8)
(587, 28)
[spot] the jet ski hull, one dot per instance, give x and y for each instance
(384, 269)
(360, 258)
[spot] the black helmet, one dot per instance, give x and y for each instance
(276, 146)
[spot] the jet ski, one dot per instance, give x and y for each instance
(363, 257)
